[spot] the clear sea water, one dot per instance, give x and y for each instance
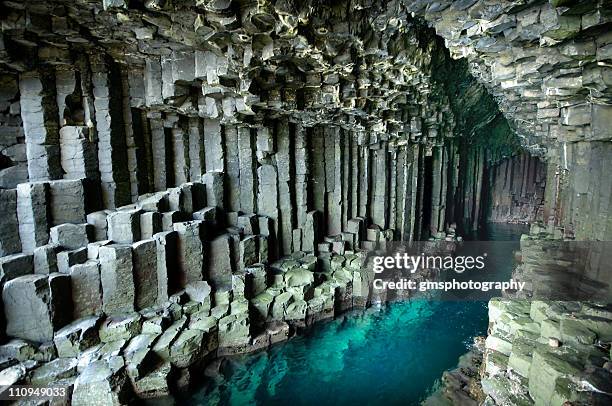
(394, 355)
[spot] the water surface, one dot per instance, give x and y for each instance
(393, 355)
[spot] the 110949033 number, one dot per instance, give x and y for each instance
(28, 392)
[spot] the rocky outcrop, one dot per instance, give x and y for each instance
(547, 353)
(536, 353)
(137, 354)
(558, 268)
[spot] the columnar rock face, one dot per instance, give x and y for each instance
(546, 64)
(9, 229)
(117, 279)
(543, 346)
(278, 134)
(190, 251)
(36, 305)
(32, 213)
(146, 273)
(79, 159)
(198, 178)
(516, 190)
(86, 289)
(39, 115)
(12, 148)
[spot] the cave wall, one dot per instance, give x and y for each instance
(579, 198)
(516, 188)
(142, 116)
(238, 160)
(13, 160)
(547, 64)
(324, 175)
(339, 129)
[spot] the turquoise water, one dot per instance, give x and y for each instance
(393, 355)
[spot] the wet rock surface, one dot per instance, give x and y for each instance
(543, 364)
(536, 353)
(121, 357)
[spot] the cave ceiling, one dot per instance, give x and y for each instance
(366, 65)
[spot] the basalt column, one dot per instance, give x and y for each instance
(515, 190)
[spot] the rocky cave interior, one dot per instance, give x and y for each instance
(181, 180)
